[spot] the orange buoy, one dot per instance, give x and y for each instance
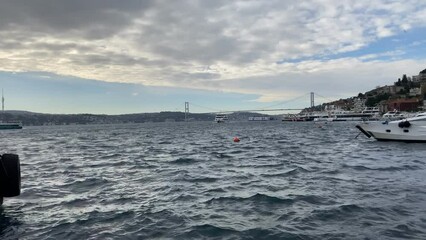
(236, 139)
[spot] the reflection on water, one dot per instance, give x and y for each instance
(9, 223)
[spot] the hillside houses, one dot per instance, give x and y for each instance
(406, 94)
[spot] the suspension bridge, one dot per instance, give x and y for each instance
(265, 109)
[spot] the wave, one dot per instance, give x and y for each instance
(217, 232)
(89, 221)
(221, 155)
(315, 200)
(111, 156)
(209, 231)
(291, 172)
(183, 161)
(77, 202)
(403, 231)
(216, 190)
(336, 214)
(203, 179)
(390, 168)
(266, 199)
(185, 197)
(87, 184)
(276, 165)
(257, 198)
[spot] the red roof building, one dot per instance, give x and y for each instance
(406, 105)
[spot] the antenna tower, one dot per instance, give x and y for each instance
(186, 111)
(2, 100)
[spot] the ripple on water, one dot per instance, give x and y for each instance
(154, 181)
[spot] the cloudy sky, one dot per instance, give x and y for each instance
(108, 56)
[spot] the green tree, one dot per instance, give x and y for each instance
(373, 101)
(398, 83)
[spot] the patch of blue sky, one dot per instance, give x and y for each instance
(50, 93)
(405, 44)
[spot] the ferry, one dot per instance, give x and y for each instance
(333, 114)
(221, 118)
(337, 114)
(259, 119)
(296, 118)
(10, 125)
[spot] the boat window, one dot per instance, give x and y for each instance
(406, 130)
(388, 130)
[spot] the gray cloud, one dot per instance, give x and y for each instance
(230, 45)
(93, 18)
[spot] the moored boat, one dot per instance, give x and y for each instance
(406, 130)
(396, 115)
(338, 115)
(334, 114)
(295, 118)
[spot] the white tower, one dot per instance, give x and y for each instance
(2, 100)
(186, 111)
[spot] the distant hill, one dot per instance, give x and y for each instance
(37, 119)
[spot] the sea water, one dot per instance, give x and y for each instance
(283, 180)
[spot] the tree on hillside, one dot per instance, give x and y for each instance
(404, 79)
(373, 101)
(398, 83)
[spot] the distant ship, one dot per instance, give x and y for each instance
(259, 118)
(221, 118)
(333, 114)
(8, 125)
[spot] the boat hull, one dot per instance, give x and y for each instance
(393, 132)
(10, 126)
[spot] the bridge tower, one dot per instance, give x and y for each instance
(186, 111)
(312, 99)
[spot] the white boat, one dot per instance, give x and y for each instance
(407, 130)
(396, 115)
(220, 118)
(259, 118)
(343, 115)
(297, 117)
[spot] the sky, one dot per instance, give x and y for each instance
(130, 56)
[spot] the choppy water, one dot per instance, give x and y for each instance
(191, 181)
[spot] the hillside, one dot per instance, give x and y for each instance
(38, 119)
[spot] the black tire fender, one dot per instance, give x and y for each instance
(10, 175)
